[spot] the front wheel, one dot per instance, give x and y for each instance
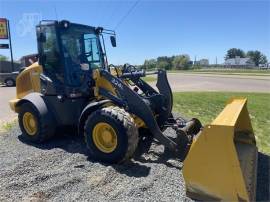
(111, 135)
(33, 125)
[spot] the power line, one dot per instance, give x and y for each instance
(114, 9)
(127, 14)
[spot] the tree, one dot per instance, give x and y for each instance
(257, 57)
(164, 62)
(263, 59)
(150, 64)
(181, 62)
(163, 65)
(3, 58)
(234, 52)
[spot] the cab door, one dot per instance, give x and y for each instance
(49, 56)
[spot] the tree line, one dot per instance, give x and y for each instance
(182, 62)
(178, 62)
(256, 56)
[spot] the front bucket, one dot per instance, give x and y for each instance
(222, 161)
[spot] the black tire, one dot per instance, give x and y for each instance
(43, 132)
(126, 131)
(10, 82)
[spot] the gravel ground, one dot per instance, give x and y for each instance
(61, 171)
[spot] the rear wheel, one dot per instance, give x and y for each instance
(111, 135)
(10, 82)
(32, 125)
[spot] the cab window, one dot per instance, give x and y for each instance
(50, 51)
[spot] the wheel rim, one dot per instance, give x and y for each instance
(9, 82)
(29, 123)
(104, 137)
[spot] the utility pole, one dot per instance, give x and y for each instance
(10, 46)
(216, 61)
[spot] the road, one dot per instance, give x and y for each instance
(233, 83)
(179, 82)
(6, 93)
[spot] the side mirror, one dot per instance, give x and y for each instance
(113, 41)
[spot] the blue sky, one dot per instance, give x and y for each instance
(205, 29)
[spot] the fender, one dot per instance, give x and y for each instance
(38, 102)
(87, 111)
(35, 99)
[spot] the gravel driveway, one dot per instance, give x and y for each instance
(61, 171)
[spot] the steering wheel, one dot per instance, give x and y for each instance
(129, 68)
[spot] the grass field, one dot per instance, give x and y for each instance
(149, 79)
(207, 105)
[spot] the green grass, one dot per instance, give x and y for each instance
(8, 125)
(207, 105)
(149, 79)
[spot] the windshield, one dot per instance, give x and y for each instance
(81, 48)
(81, 53)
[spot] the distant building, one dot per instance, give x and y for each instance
(27, 60)
(202, 62)
(264, 66)
(239, 63)
(6, 67)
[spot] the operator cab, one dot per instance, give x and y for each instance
(68, 53)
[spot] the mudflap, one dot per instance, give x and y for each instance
(222, 161)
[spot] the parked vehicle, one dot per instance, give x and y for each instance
(9, 79)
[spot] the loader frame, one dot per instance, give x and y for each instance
(227, 145)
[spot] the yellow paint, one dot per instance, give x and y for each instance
(116, 71)
(29, 123)
(12, 104)
(27, 81)
(215, 167)
(101, 82)
(104, 83)
(104, 137)
(139, 122)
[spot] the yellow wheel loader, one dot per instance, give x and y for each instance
(73, 85)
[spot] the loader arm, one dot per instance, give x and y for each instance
(164, 89)
(133, 103)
